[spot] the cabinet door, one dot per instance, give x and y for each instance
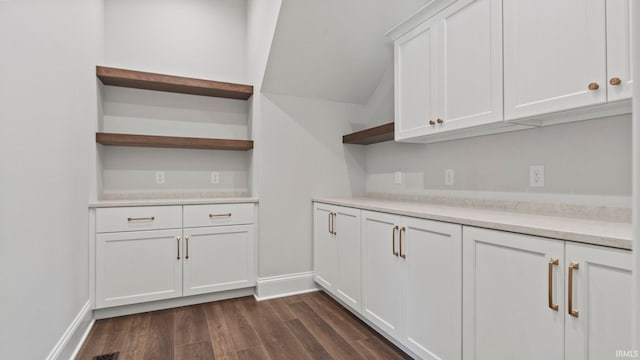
(619, 34)
(325, 249)
(416, 81)
(139, 266)
(218, 258)
(382, 276)
(433, 312)
(553, 50)
(602, 296)
(470, 64)
(506, 293)
(347, 229)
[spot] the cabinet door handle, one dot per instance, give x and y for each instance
(329, 218)
(402, 255)
(186, 239)
(615, 81)
(178, 242)
(149, 218)
(572, 266)
(431, 122)
(393, 240)
(440, 121)
(219, 215)
(333, 224)
(594, 86)
(552, 262)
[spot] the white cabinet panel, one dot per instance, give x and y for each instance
(602, 297)
(382, 272)
(619, 42)
(218, 214)
(138, 218)
(325, 249)
(138, 266)
(416, 81)
(505, 295)
(553, 50)
(433, 301)
(347, 233)
(470, 64)
(218, 258)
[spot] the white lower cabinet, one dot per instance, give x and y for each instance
(133, 265)
(412, 282)
(218, 258)
(336, 252)
(517, 304)
(138, 266)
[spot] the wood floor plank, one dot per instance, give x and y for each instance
(136, 341)
(190, 325)
(333, 342)
(200, 351)
(274, 335)
(281, 309)
(118, 335)
(96, 340)
(223, 346)
(159, 344)
(254, 353)
(308, 341)
(339, 318)
(242, 333)
(378, 349)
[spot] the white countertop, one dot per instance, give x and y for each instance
(161, 202)
(612, 234)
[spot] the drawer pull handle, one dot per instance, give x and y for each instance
(552, 262)
(211, 216)
(186, 239)
(393, 240)
(178, 242)
(150, 218)
(402, 254)
(571, 310)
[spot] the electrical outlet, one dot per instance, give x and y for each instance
(160, 177)
(398, 178)
(215, 177)
(536, 175)
(448, 177)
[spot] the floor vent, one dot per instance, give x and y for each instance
(110, 356)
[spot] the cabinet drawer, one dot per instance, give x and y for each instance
(217, 214)
(138, 218)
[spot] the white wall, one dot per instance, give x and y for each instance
(635, 66)
(47, 117)
(302, 156)
(197, 38)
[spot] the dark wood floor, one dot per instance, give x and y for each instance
(309, 326)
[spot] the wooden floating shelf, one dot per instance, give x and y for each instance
(172, 142)
(175, 84)
(373, 135)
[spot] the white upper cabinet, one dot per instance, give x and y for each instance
(619, 40)
(448, 71)
(554, 56)
(470, 64)
(416, 81)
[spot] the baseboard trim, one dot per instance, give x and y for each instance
(285, 285)
(171, 303)
(72, 339)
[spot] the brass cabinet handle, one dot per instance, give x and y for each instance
(552, 262)
(329, 222)
(439, 121)
(402, 255)
(594, 86)
(615, 81)
(570, 310)
(149, 218)
(332, 223)
(219, 215)
(393, 240)
(186, 239)
(431, 122)
(178, 241)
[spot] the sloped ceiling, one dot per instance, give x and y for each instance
(333, 49)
